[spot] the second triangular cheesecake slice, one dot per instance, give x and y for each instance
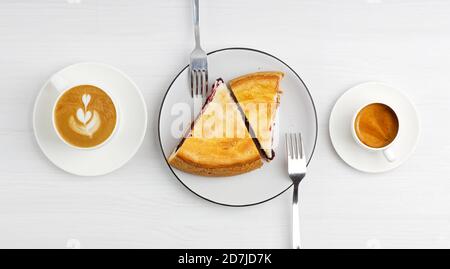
(218, 143)
(258, 95)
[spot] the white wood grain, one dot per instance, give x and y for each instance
(333, 45)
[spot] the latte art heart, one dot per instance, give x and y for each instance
(87, 127)
(82, 116)
(84, 129)
(86, 98)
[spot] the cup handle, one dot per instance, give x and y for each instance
(389, 155)
(59, 83)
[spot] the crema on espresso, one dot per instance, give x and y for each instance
(376, 125)
(85, 116)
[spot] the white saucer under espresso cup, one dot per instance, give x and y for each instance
(62, 85)
(387, 150)
(359, 157)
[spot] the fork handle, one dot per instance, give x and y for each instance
(295, 219)
(196, 17)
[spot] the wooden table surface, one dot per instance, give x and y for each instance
(333, 45)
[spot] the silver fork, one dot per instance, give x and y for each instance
(198, 66)
(297, 171)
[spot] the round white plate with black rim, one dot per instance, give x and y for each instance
(341, 122)
(296, 113)
(122, 145)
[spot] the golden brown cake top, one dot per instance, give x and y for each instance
(257, 87)
(219, 140)
(258, 95)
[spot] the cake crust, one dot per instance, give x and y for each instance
(236, 82)
(193, 168)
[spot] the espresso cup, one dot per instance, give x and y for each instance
(375, 127)
(84, 116)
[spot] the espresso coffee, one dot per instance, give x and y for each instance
(85, 116)
(376, 125)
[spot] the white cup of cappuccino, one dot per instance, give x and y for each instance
(84, 116)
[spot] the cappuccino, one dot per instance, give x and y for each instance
(85, 116)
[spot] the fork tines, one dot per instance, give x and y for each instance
(294, 146)
(199, 82)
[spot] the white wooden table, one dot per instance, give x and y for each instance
(333, 45)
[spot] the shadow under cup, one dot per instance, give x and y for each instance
(85, 117)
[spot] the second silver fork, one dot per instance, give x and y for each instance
(297, 171)
(198, 67)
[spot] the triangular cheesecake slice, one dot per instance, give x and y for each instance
(258, 95)
(218, 143)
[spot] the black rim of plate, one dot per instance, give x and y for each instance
(164, 99)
